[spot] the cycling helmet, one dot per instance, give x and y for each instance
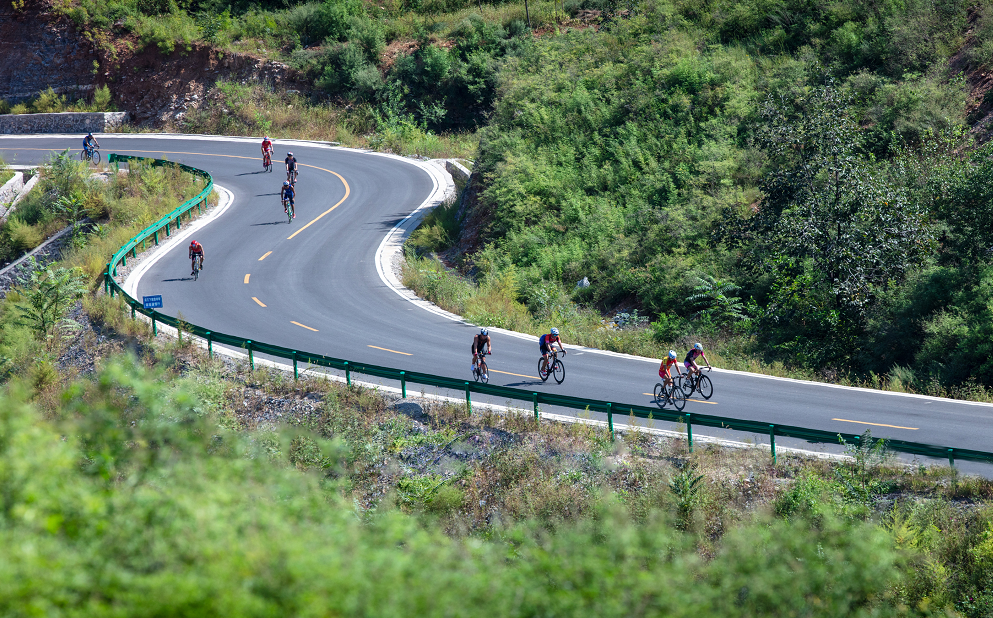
(672, 354)
(193, 243)
(286, 183)
(698, 346)
(483, 331)
(289, 154)
(89, 134)
(554, 331)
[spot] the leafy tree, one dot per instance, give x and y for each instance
(715, 298)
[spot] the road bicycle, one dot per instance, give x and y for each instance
(267, 161)
(699, 383)
(197, 265)
(92, 155)
(557, 369)
(288, 209)
(670, 394)
(481, 373)
(291, 176)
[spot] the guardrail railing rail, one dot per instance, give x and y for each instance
(534, 398)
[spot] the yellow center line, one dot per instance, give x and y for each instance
(246, 278)
(261, 304)
(507, 373)
(845, 420)
(389, 350)
(348, 190)
(267, 254)
(303, 326)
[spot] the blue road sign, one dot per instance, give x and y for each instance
(152, 302)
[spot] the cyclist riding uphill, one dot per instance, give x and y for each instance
(90, 142)
(196, 249)
(665, 369)
(266, 146)
(690, 361)
(291, 167)
(481, 343)
(545, 343)
(288, 194)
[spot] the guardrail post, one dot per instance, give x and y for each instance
(155, 236)
(468, 398)
(251, 356)
(167, 228)
(155, 326)
(610, 420)
(106, 280)
(124, 260)
(210, 344)
(179, 222)
(689, 431)
(403, 384)
(772, 441)
(348, 374)
(534, 400)
(132, 309)
(951, 457)
(296, 373)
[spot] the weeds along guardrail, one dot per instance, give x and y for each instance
(173, 220)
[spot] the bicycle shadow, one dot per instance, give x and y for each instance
(280, 222)
(179, 279)
(528, 383)
(267, 194)
(252, 173)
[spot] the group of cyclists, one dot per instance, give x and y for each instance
(482, 345)
(288, 193)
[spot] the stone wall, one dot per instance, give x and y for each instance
(66, 122)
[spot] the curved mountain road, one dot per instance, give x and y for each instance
(313, 285)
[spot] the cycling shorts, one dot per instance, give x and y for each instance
(545, 349)
(690, 365)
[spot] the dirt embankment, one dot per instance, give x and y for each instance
(39, 49)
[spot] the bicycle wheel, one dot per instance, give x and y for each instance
(687, 385)
(95, 157)
(82, 155)
(196, 269)
(484, 372)
(677, 397)
(558, 370)
(542, 369)
(289, 213)
(660, 398)
(706, 387)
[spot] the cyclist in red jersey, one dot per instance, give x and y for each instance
(545, 343)
(665, 369)
(267, 147)
(195, 250)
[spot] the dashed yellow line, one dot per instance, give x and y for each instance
(246, 278)
(267, 254)
(389, 350)
(845, 420)
(348, 190)
(507, 373)
(304, 326)
(261, 304)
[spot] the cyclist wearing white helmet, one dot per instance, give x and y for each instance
(545, 343)
(665, 369)
(690, 361)
(481, 344)
(288, 196)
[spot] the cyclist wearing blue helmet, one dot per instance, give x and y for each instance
(481, 345)
(89, 143)
(545, 343)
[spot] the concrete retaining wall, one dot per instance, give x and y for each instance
(66, 122)
(11, 188)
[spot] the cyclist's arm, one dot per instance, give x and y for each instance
(705, 360)
(560, 346)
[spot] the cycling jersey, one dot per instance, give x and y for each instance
(545, 342)
(266, 145)
(291, 163)
(289, 193)
(666, 366)
(692, 355)
(479, 343)
(196, 249)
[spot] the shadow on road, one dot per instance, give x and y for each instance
(252, 173)
(528, 383)
(267, 194)
(180, 279)
(280, 222)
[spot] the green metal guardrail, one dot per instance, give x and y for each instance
(610, 408)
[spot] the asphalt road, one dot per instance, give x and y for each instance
(316, 288)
